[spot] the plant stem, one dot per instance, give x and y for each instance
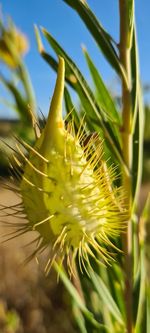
(127, 153)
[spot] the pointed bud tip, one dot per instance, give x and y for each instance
(54, 129)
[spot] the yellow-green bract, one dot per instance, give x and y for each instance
(67, 191)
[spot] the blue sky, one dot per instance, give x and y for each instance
(64, 24)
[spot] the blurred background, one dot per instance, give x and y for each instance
(29, 301)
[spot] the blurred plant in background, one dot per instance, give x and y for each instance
(13, 45)
(15, 78)
(9, 321)
(113, 298)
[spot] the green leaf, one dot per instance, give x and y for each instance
(148, 309)
(78, 81)
(104, 98)
(144, 266)
(79, 318)
(28, 88)
(115, 279)
(137, 123)
(93, 112)
(21, 103)
(142, 293)
(70, 79)
(130, 23)
(71, 110)
(136, 262)
(135, 78)
(76, 297)
(72, 114)
(145, 232)
(102, 38)
(106, 297)
(138, 152)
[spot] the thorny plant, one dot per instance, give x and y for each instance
(79, 208)
(72, 198)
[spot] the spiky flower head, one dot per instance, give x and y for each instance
(67, 190)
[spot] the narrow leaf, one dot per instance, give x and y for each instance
(135, 78)
(101, 37)
(130, 11)
(50, 59)
(115, 281)
(142, 293)
(144, 265)
(79, 318)
(76, 297)
(148, 309)
(70, 108)
(106, 297)
(137, 124)
(138, 151)
(21, 103)
(87, 98)
(105, 100)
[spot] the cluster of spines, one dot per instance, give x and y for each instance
(92, 152)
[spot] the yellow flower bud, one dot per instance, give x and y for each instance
(13, 44)
(67, 191)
